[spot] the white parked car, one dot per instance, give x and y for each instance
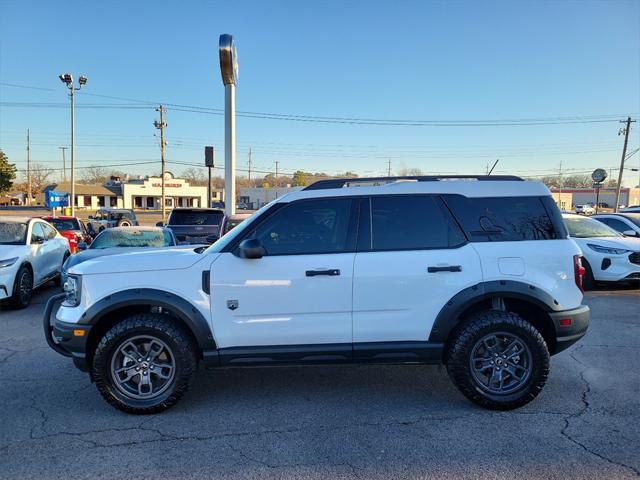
(477, 273)
(626, 223)
(31, 253)
(609, 255)
(585, 209)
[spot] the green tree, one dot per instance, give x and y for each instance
(7, 173)
(299, 179)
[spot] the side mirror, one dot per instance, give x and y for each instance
(630, 233)
(251, 248)
(82, 246)
(159, 224)
(37, 240)
(212, 239)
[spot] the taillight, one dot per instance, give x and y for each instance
(578, 271)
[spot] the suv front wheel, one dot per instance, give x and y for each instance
(498, 360)
(144, 364)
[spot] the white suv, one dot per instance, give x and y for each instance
(477, 273)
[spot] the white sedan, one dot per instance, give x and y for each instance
(31, 254)
(609, 255)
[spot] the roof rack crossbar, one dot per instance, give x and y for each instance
(341, 182)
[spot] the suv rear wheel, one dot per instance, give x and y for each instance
(144, 364)
(498, 360)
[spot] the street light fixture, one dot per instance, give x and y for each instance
(67, 79)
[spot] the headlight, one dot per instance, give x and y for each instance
(608, 250)
(8, 262)
(72, 287)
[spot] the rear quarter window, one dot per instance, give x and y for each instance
(506, 219)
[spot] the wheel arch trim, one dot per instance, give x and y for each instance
(449, 315)
(183, 309)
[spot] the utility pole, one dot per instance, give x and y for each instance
(388, 167)
(28, 168)
(249, 166)
(560, 188)
(624, 154)
(64, 165)
(160, 125)
(276, 179)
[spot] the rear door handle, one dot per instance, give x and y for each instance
(448, 268)
(332, 272)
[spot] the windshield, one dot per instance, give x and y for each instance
(13, 233)
(63, 225)
(131, 237)
(588, 227)
(190, 217)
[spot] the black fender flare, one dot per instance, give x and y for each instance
(449, 315)
(182, 308)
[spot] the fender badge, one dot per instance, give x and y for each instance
(232, 304)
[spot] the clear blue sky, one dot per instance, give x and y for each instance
(465, 60)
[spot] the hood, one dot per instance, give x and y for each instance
(630, 243)
(11, 251)
(122, 260)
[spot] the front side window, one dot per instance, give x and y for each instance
(308, 227)
(412, 222)
(37, 232)
(503, 219)
(49, 232)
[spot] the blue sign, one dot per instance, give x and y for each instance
(56, 199)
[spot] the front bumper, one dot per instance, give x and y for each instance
(7, 279)
(571, 326)
(68, 339)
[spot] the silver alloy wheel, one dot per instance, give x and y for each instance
(501, 363)
(143, 367)
(25, 286)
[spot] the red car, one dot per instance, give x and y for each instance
(72, 228)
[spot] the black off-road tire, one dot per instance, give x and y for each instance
(160, 327)
(19, 298)
(458, 359)
(588, 282)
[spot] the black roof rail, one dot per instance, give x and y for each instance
(341, 182)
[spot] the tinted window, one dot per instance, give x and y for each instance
(36, 231)
(503, 219)
(616, 224)
(412, 222)
(188, 217)
(49, 232)
(62, 225)
(305, 227)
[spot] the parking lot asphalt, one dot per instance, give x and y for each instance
(327, 422)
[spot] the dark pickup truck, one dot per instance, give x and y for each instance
(195, 225)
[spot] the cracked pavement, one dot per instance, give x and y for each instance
(350, 422)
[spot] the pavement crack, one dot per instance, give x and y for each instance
(584, 398)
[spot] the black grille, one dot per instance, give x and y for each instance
(635, 258)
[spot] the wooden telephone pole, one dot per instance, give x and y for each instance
(160, 125)
(624, 154)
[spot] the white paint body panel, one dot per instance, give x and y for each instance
(620, 266)
(278, 304)
(395, 298)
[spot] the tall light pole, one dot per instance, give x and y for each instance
(160, 125)
(67, 79)
(229, 71)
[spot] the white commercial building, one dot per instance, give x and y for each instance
(255, 198)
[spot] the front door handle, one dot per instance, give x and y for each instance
(448, 268)
(332, 272)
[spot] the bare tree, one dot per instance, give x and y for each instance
(40, 177)
(195, 176)
(94, 175)
(408, 172)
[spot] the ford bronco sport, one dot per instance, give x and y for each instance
(476, 273)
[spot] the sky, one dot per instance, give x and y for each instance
(565, 72)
